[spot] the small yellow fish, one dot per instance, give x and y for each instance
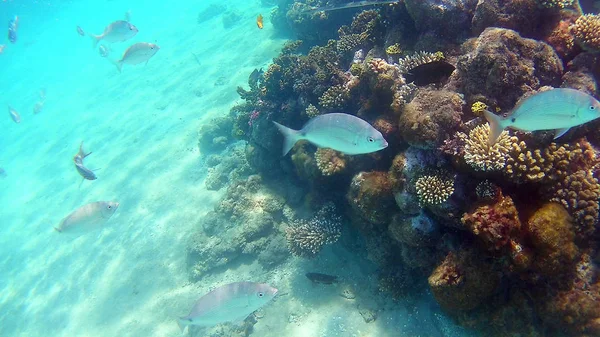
(259, 21)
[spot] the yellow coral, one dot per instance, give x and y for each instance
(579, 193)
(483, 157)
(478, 108)
(312, 111)
(434, 189)
(587, 32)
(556, 3)
(329, 161)
(393, 50)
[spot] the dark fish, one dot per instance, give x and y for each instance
(83, 171)
(432, 72)
(80, 31)
(13, 26)
(322, 278)
(255, 76)
(353, 4)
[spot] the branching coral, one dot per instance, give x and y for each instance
(434, 189)
(307, 238)
(406, 64)
(478, 108)
(329, 161)
(351, 42)
(312, 111)
(483, 157)
(587, 32)
(494, 224)
(556, 3)
(393, 50)
(334, 97)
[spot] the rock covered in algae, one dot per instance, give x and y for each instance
(501, 66)
(463, 281)
(452, 18)
(523, 16)
(370, 195)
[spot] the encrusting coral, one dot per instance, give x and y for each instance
(307, 238)
(587, 32)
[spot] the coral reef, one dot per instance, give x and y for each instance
(216, 135)
(407, 63)
(434, 189)
(329, 161)
(523, 16)
(307, 238)
(483, 157)
(587, 32)
(228, 167)
(370, 196)
(448, 17)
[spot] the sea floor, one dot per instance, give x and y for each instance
(130, 278)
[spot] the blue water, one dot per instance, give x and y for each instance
(131, 278)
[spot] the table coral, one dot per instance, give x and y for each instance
(330, 161)
(495, 224)
(306, 238)
(434, 189)
(462, 281)
(483, 157)
(501, 66)
(587, 32)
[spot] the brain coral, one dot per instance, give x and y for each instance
(501, 66)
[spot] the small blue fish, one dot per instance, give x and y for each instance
(338, 131)
(556, 109)
(13, 26)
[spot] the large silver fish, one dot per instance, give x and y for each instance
(555, 109)
(88, 217)
(117, 31)
(338, 131)
(228, 303)
(138, 53)
(14, 115)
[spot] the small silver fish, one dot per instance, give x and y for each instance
(13, 27)
(14, 115)
(80, 31)
(38, 107)
(338, 131)
(138, 53)
(88, 217)
(117, 31)
(556, 109)
(104, 50)
(83, 171)
(228, 303)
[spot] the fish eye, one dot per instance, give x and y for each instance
(261, 294)
(109, 206)
(370, 139)
(592, 107)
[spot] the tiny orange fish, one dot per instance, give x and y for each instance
(259, 21)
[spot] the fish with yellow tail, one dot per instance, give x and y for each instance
(338, 131)
(87, 217)
(556, 109)
(231, 302)
(138, 53)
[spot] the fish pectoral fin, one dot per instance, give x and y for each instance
(560, 132)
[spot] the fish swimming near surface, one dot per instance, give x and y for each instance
(353, 4)
(80, 31)
(117, 31)
(338, 131)
(87, 217)
(14, 115)
(556, 109)
(228, 303)
(138, 53)
(322, 278)
(13, 27)
(428, 73)
(83, 171)
(259, 21)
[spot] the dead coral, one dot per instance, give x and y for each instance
(307, 238)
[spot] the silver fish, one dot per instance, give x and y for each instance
(117, 31)
(138, 53)
(13, 27)
(228, 303)
(338, 131)
(88, 217)
(104, 50)
(14, 115)
(555, 109)
(83, 171)
(353, 4)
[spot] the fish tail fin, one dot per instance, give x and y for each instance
(182, 324)
(496, 127)
(81, 152)
(95, 39)
(57, 229)
(290, 137)
(119, 65)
